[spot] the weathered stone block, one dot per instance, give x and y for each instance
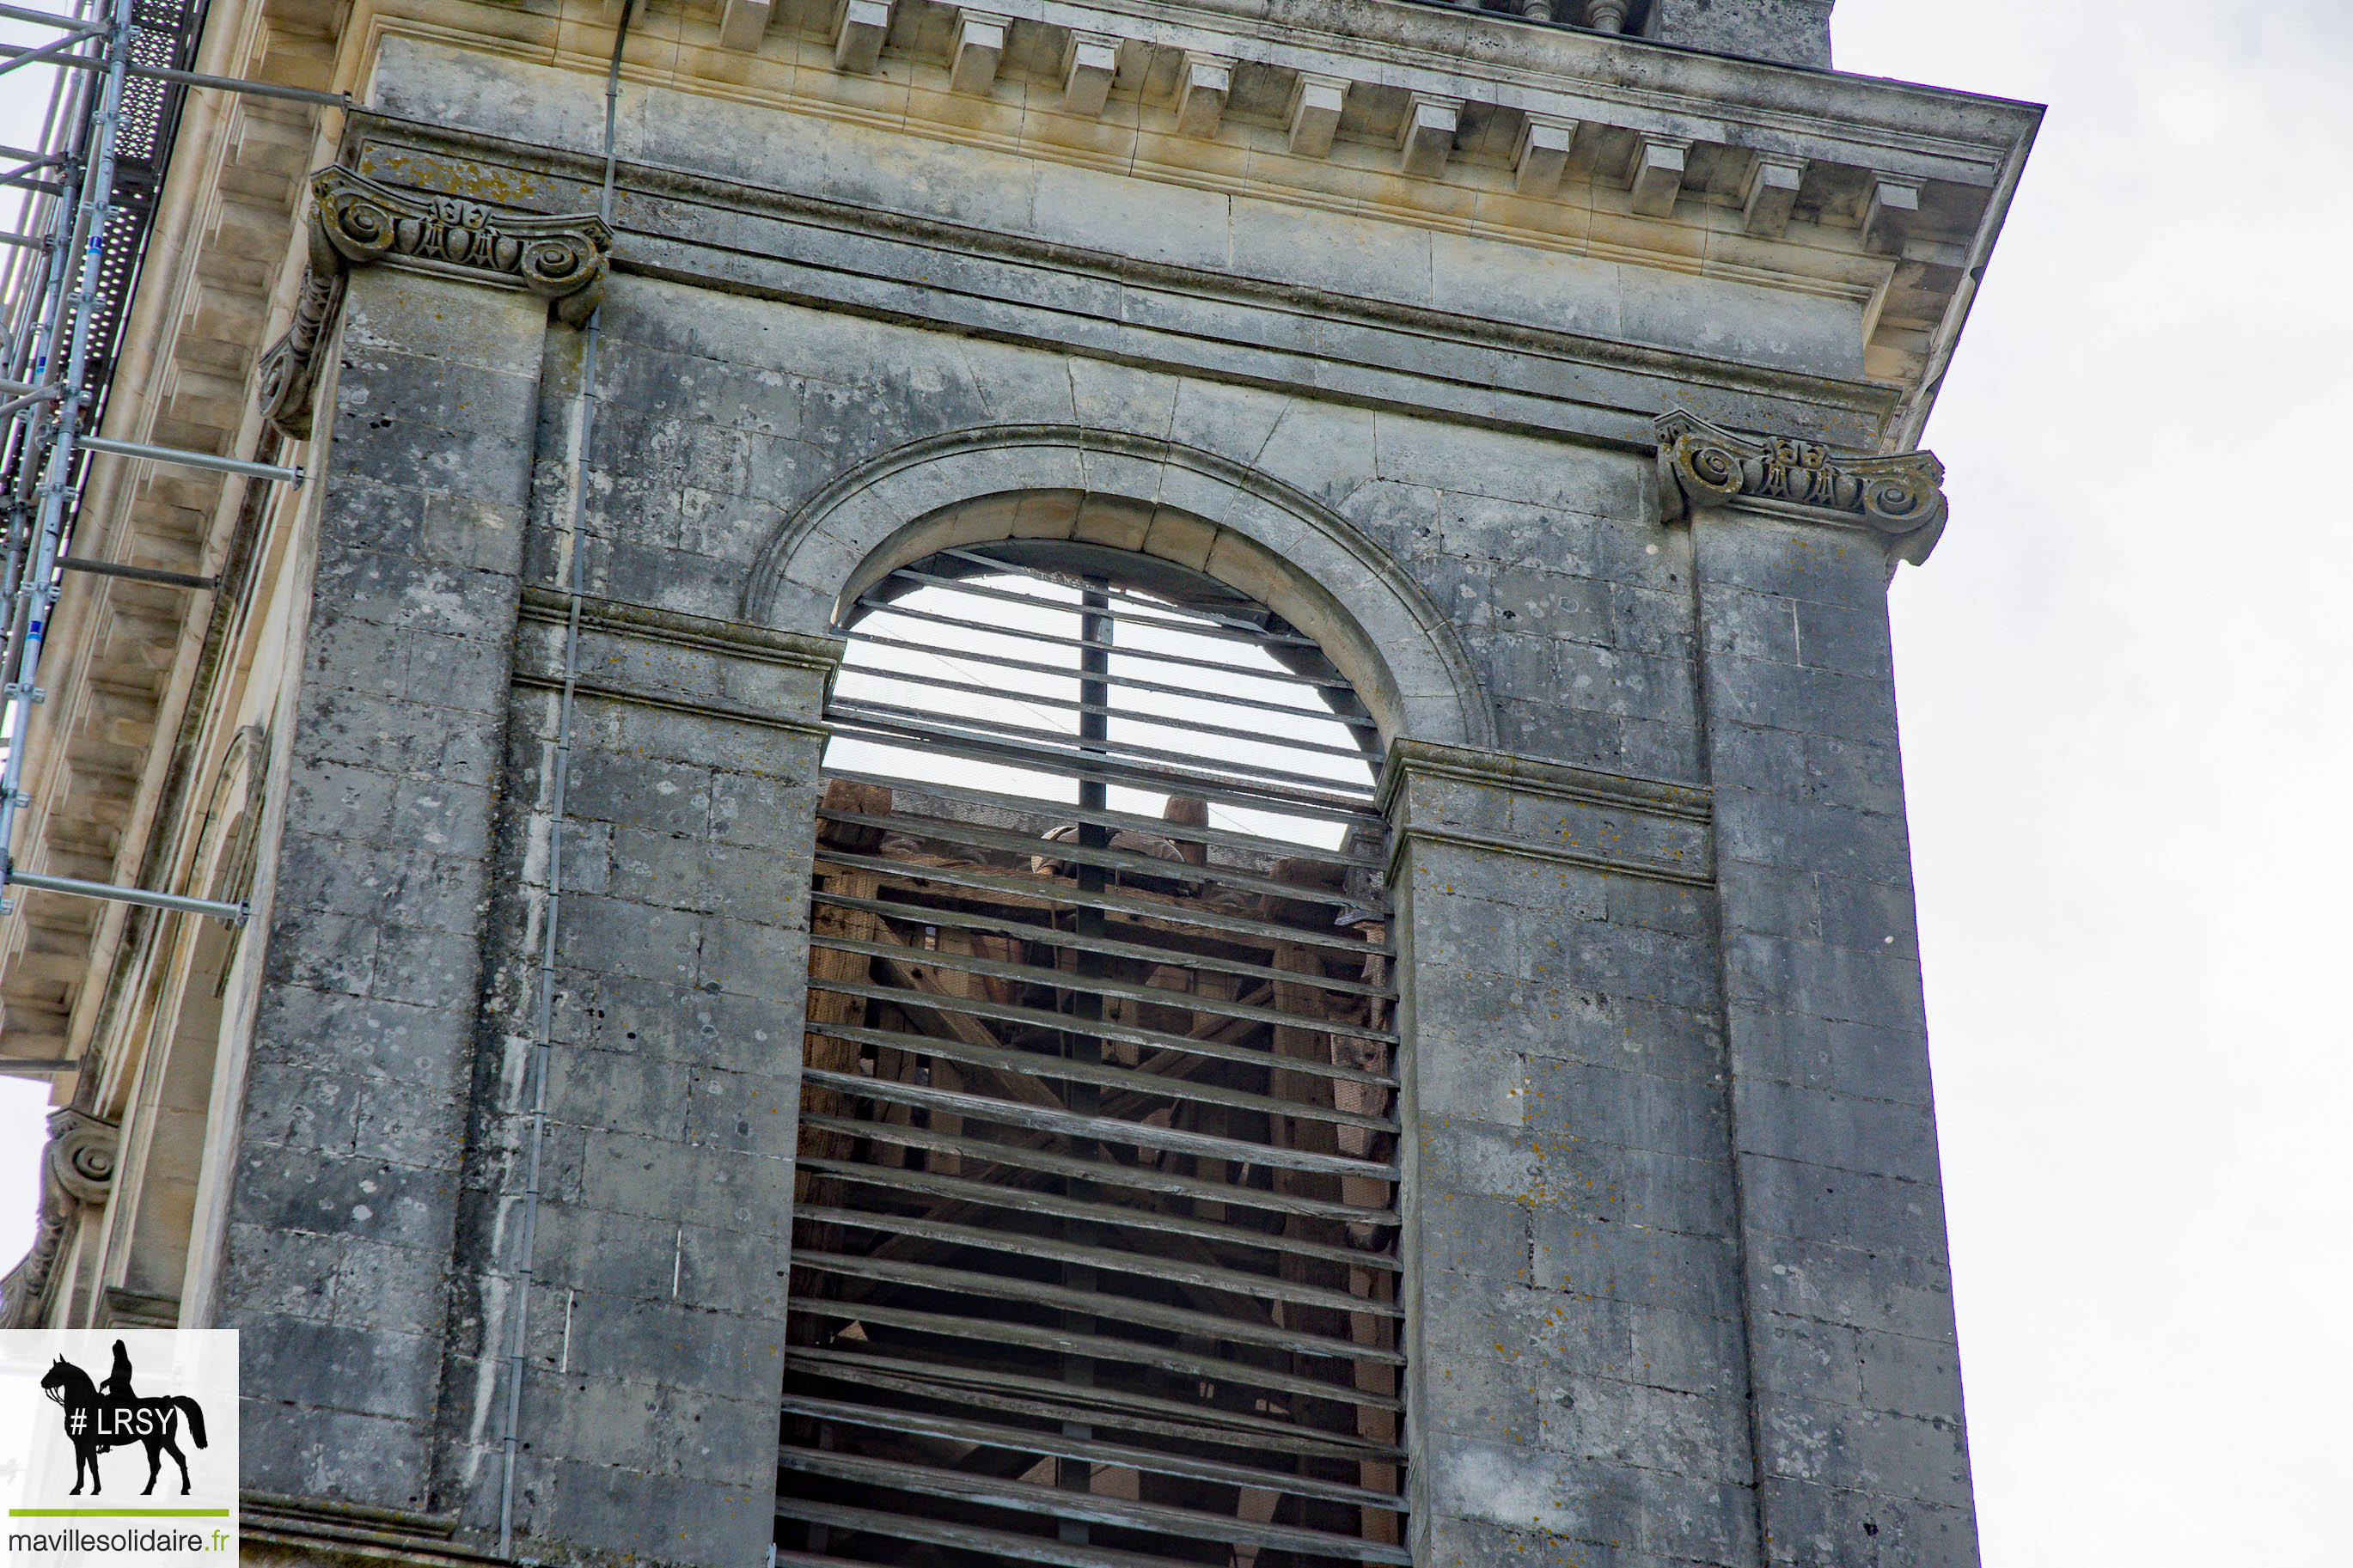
(1582, 1500)
(1623, 961)
(1907, 1376)
(374, 1286)
(363, 1035)
(355, 1193)
(1634, 1425)
(1838, 983)
(1843, 1131)
(1812, 836)
(1469, 1393)
(1793, 561)
(622, 1091)
(1583, 1255)
(418, 890)
(1812, 701)
(1615, 1185)
(392, 735)
(1827, 1527)
(347, 1456)
(1831, 1283)
(1616, 1105)
(425, 966)
(369, 1371)
(326, 952)
(1874, 1062)
(1868, 1451)
(1847, 1208)
(640, 940)
(1806, 1357)
(276, 1273)
(669, 1518)
(1476, 1236)
(1476, 1158)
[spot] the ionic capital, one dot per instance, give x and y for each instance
(355, 222)
(1700, 465)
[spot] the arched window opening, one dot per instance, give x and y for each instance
(1095, 1258)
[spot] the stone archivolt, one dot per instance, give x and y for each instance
(355, 222)
(1700, 465)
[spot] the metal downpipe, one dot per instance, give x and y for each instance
(542, 1047)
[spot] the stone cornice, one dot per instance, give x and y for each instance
(1892, 191)
(315, 1529)
(355, 222)
(676, 628)
(675, 702)
(730, 688)
(1539, 776)
(1899, 496)
(1495, 803)
(1632, 83)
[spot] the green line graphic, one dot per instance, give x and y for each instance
(118, 1513)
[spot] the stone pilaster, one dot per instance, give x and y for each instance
(343, 1199)
(1577, 1379)
(1860, 1448)
(656, 1322)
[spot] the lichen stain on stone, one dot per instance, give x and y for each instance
(478, 181)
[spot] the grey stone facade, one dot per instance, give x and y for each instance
(1677, 1287)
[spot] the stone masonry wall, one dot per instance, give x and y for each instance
(726, 413)
(344, 1197)
(655, 1347)
(1792, 32)
(1579, 1366)
(1675, 1260)
(1862, 1455)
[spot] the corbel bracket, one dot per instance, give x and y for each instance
(355, 222)
(1902, 498)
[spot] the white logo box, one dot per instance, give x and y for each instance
(182, 1380)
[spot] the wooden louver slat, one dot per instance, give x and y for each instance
(1095, 1256)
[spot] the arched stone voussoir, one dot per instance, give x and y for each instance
(1249, 530)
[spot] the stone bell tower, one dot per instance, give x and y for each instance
(1539, 387)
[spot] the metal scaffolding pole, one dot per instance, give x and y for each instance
(66, 276)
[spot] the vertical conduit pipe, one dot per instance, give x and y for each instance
(543, 1043)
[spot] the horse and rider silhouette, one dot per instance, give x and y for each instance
(111, 1416)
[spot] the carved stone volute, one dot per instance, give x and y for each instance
(1702, 465)
(558, 259)
(290, 372)
(355, 222)
(77, 1173)
(79, 1165)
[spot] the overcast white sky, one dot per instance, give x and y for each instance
(2123, 683)
(2122, 678)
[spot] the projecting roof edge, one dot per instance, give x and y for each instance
(1637, 74)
